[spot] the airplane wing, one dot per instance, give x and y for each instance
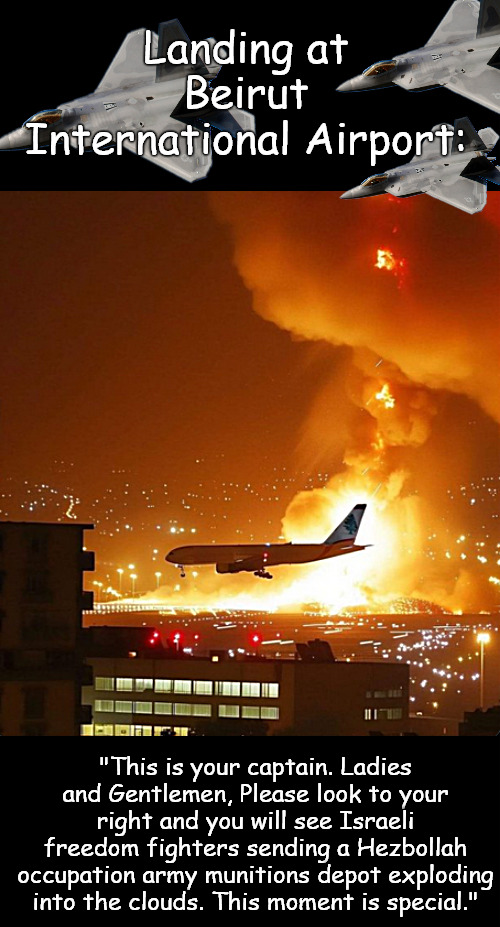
(464, 194)
(188, 167)
(460, 21)
(483, 88)
(127, 67)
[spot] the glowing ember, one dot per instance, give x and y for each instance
(385, 397)
(387, 260)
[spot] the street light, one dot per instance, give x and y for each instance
(133, 577)
(120, 574)
(158, 577)
(482, 638)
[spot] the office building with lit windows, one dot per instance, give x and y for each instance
(150, 691)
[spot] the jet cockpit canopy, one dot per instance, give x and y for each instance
(376, 178)
(381, 67)
(50, 116)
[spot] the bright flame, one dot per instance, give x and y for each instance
(387, 260)
(385, 396)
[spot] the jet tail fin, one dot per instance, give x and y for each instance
(349, 527)
(169, 32)
(466, 137)
(489, 18)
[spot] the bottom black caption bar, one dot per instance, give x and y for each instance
(254, 825)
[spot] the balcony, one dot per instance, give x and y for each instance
(86, 601)
(87, 561)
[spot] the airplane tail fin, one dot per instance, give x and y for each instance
(169, 32)
(349, 527)
(489, 18)
(466, 137)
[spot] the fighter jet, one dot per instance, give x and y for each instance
(134, 96)
(463, 54)
(257, 558)
(459, 177)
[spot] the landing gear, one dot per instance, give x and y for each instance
(183, 572)
(263, 574)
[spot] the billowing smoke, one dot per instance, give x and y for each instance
(404, 296)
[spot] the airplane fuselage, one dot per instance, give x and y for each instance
(252, 557)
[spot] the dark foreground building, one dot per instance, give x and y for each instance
(480, 723)
(148, 690)
(42, 666)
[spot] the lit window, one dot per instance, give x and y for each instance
(103, 730)
(395, 693)
(370, 713)
(270, 714)
(229, 689)
(142, 730)
(142, 684)
(182, 686)
(104, 682)
(390, 714)
(380, 693)
(104, 704)
(143, 708)
(183, 708)
(122, 730)
(270, 689)
(164, 685)
(250, 711)
(250, 689)
(368, 694)
(163, 708)
(202, 711)
(203, 687)
(123, 706)
(229, 711)
(124, 685)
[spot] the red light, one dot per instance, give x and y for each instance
(156, 634)
(256, 638)
(152, 640)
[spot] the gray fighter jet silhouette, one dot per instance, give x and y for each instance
(134, 96)
(463, 54)
(459, 177)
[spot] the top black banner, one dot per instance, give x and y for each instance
(284, 75)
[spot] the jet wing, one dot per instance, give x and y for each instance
(188, 167)
(459, 23)
(464, 194)
(127, 67)
(483, 88)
